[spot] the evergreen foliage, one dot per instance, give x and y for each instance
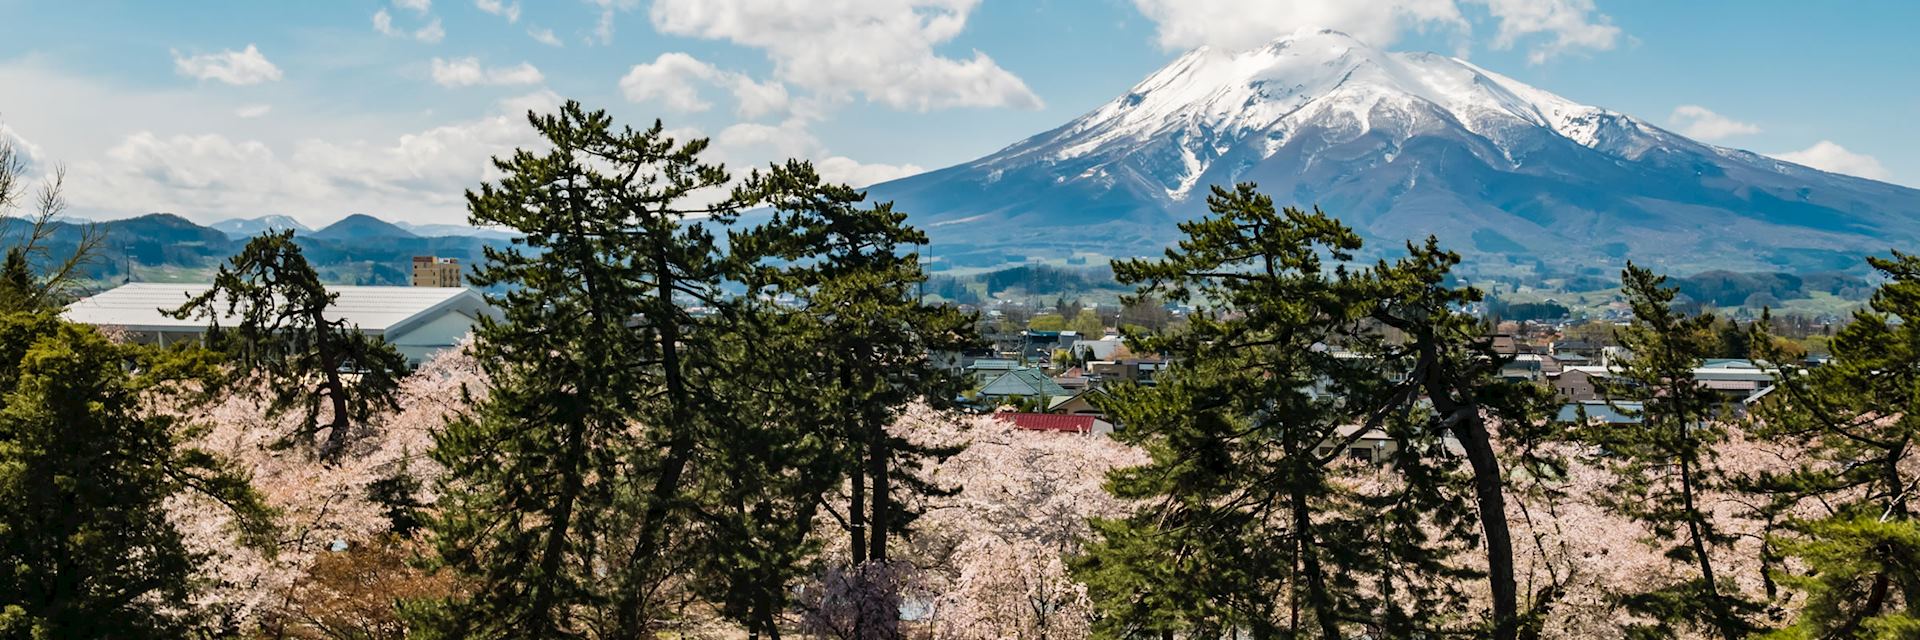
(86, 547)
(1857, 419)
(1663, 463)
(283, 340)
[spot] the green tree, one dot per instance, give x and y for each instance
(1856, 420)
(1087, 323)
(281, 336)
(86, 547)
(1241, 529)
(1662, 464)
(872, 340)
(567, 485)
(1455, 371)
(1047, 322)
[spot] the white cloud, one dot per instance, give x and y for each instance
(419, 176)
(542, 101)
(674, 80)
(25, 150)
(1825, 155)
(467, 72)
(1695, 121)
(431, 33)
(510, 11)
(858, 174)
(882, 50)
(417, 6)
(603, 29)
(669, 80)
(748, 145)
(1555, 26)
(544, 36)
(1569, 25)
(242, 67)
(253, 110)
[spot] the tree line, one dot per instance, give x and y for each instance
(653, 447)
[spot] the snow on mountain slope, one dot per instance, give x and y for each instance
(1401, 145)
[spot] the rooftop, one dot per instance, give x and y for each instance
(1047, 421)
(136, 306)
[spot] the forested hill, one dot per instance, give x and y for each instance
(163, 247)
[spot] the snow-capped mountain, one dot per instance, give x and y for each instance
(1399, 145)
(250, 227)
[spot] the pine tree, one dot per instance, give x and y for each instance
(1241, 518)
(1857, 421)
(566, 485)
(1664, 463)
(869, 340)
(282, 339)
(86, 547)
(1455, 372)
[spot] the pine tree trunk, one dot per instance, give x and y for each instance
(679, 448)
(1722, 619)
(1491, 499)
(1317, 597)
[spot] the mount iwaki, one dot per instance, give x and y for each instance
(1399, 146)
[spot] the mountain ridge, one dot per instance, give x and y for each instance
(1400, 146)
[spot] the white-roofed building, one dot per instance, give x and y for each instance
(419, 321)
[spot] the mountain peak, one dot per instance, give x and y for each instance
(1401, 145)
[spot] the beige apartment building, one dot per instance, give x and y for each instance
(429, 271)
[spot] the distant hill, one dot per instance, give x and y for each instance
(250, 227)
(163, 247)
(361, 226)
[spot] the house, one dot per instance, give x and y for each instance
(1607, 413)
(1055, 422)
(984, 370)
(1374, 446)
(1525, 367)
(1572, 349)
(1578, 384)
(1022, 383)
(1074, 380)
(1080, 404)
(1101, 349)
(418, 321)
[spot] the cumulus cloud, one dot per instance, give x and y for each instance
(1695, 121)
(674, 80)
(253, 110)
(243, 67)
(882, 50)
(753, 144)
(431, 33)
(417, 6)
(544, 36)
(510, 11)
(1553, 27)
(861, 174)
(468, 72)
(1825, 155)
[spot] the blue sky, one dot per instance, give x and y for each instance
(319, 109)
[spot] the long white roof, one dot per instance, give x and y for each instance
(136, 307)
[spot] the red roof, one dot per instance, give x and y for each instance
(1047, 421)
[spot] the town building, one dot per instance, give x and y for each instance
(430, 271)
(419, 321)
